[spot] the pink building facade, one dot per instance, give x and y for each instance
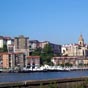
(33, 61)
(75, 61)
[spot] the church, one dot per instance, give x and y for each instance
(74, 54)
(79, 49)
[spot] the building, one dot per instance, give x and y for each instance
(33, 45)
(42, 44)
(2, 41)
(21, 44)
(80, 49)
(8, 40)
(81, 41)
(33, 61)
(5, 41)
(18, 60)
(74, 61)
(12, 60)
(55, 47)
(11, 48)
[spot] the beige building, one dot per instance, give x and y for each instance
(12, 60)
(79, 49)
(21, 44)
(75, 61)
(33, 61)
(18, 60)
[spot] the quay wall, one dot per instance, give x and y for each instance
(81, 82)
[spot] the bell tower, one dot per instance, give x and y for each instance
(81, 41)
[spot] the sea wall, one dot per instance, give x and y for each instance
(81, 82)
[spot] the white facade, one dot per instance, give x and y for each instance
(9, 42)
(64, 49)
(74, 50)
(1, 43)
(33, 46)
(42, 44)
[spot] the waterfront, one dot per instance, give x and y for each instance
(15, 77)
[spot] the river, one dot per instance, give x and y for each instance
(14, 77)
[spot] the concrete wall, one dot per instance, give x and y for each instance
(58, 83)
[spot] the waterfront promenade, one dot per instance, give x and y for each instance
(44, 79)
(81, 82)
(15, 77)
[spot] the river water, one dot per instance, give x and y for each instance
(15, 77)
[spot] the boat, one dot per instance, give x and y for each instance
(45, 68)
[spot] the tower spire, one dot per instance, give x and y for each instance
(81, 41)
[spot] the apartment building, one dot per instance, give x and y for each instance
(33, 61)
(21, 44)
(75, 61)
(12, 60)
(56, 48)
(33, 45)
(5, 41)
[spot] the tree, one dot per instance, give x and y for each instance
(47, 54)
(5, 48)
(1, 49)
(48, 49)
(68, 64)
(37, 52)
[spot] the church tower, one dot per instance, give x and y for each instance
(81, 41)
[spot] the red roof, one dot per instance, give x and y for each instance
(7, 38)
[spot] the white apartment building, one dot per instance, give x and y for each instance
(2, 41)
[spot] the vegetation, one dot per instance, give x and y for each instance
(4, 49)
(68, 64)
(37, 52)
(46, 54)
(56, 85)
(1, 49)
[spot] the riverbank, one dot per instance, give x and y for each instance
(45, 68)
(81, 82)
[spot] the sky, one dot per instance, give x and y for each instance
(57, 21)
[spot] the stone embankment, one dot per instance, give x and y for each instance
(81, 82)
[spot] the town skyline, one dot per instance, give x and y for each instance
(55, 21)
(43, 43)
(10, 37)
